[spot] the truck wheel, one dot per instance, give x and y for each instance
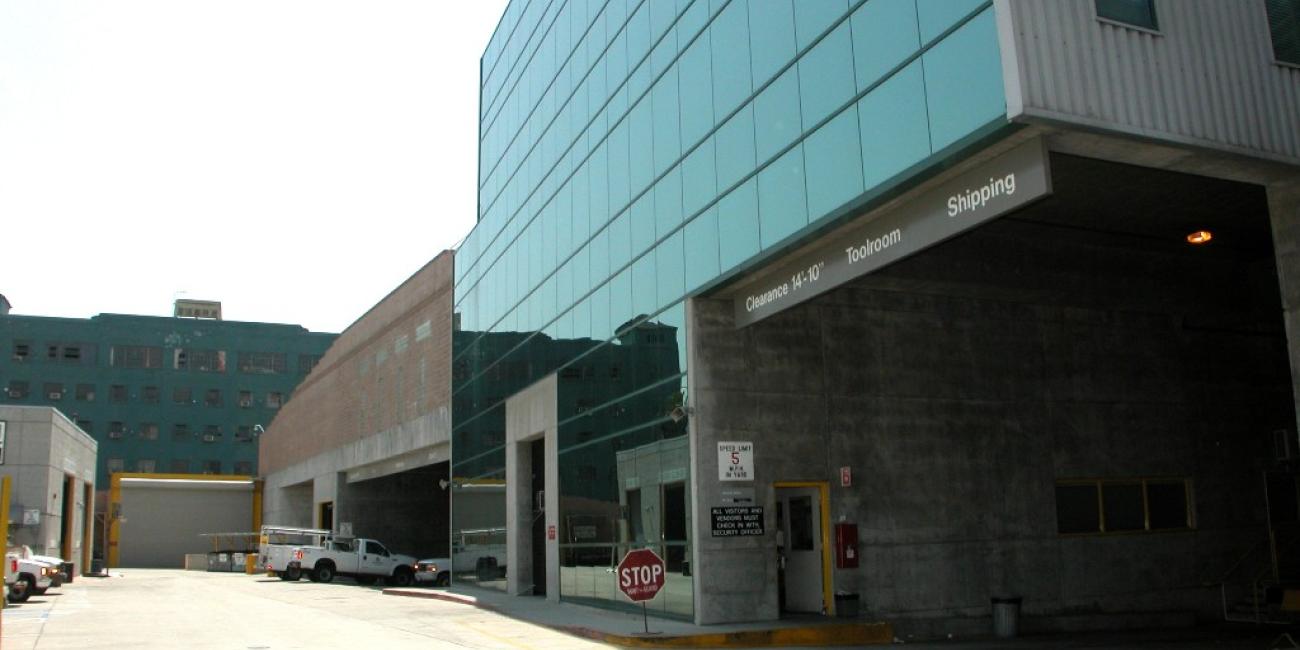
(293, 574)
(323, 573)
(444, 579)
(401, 578)
(19, 593)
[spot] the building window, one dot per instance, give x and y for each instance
(423, 330)
(180, 466)
(243, 433)
(182, 396)
(244, 467)
(115, 465)
(150, 395)
(245, 399)
(1123, 505)
(85, 392)
(18, 389)
(1138, 13)
(149, 431)
(211, 467)
(263, 363)
(116, 430)
(53, 391)
(212, 433)
(212, 397)
(401, 343)
(117, 393)
(72, 353)
(306, 362)
(146, 465)
(1284, 24)
(87, 426)
(274, 400)
(199, 360)
(22, 351)
(180, 432)
(135, 356)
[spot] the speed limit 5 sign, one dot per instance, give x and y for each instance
(735, 461)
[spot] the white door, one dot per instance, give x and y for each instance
(374, 559)
(802, 552)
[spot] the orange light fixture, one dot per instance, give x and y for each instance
(1200, 237)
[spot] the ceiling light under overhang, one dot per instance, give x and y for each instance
(1200, 237)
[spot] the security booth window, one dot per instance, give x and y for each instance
(1284, 26)
(1114, 506)
(1138, 13)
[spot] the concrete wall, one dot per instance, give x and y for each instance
(164, 520)
(1284, 212)
(42, 448)
(1207, 78)
(960, 385)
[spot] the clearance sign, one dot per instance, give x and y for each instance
(1007, 182)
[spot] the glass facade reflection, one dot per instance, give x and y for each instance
(632, 153)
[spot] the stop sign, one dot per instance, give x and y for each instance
(640, 574)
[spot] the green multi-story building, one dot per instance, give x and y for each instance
(172, 395)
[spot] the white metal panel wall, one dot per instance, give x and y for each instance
(164, 523)
(1206, 78)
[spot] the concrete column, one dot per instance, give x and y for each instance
(530, 415)
(1284, 214)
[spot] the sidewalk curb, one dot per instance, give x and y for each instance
(835, 634)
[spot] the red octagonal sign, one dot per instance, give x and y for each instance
(641, 574)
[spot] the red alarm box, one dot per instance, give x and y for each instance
(846, 546)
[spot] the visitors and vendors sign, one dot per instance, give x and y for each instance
(737, 521)
(1007, 182)
(735, 461)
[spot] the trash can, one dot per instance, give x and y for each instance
(1006, 617)
(846, 605)
(96, 566)
(485, 568)
(218, 562)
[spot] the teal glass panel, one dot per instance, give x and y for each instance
(662, 15)
(599, 186)
(643, 223)
(936, 16)
(771, 37)
(581, 221)
(645, 290)
(782, 200)
(826, 77)
(638, 34)
(732, 81)
(601, 327)
(670, 264)
(776, 115)
(738, 225)
(833, 157)
(667, 127)
(619, 190)
(812, 17)
(664, 53)
(668, 202)
(963, 81)
(639, 81)
(597, 92)
(582, 319)
(564, 285)
(702, 249)
(696, 80)
(548, 240)
(892, 120)
(641, 146)
(693, 18)
(598, 251)
(734, 147)
(620, 240)
(699, 185)
(582, 276)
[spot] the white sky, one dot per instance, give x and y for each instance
(294, 159)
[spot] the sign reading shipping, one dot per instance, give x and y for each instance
(1007, 182)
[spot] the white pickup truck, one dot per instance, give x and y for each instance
(277, 544)
(365, 560)
(29, 576)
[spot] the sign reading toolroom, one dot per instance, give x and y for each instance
(1005, 183)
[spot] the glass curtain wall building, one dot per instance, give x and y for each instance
(634, 153)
